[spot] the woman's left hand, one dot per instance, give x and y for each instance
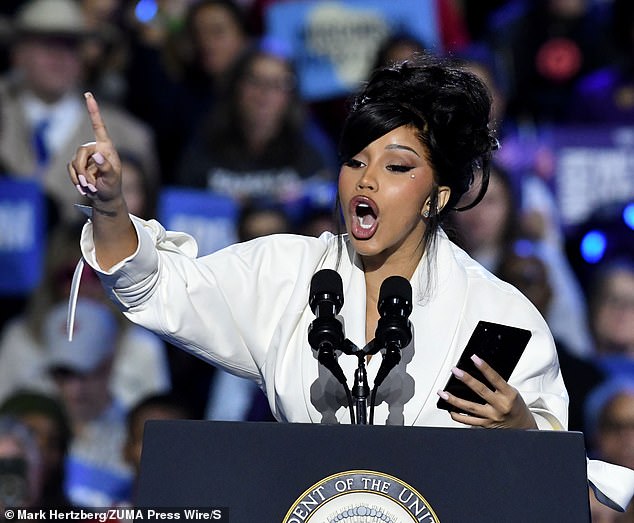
(504, 407)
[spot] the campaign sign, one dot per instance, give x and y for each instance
(334, 42)
(22, 235)
(210, 218)
(593, 167)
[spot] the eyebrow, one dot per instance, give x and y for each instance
(399, 146)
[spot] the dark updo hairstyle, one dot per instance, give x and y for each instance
(447, 104)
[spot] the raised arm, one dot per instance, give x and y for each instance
(96, 172)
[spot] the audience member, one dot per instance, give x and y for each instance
(232, 398)
(105, 53)
(523, 268)
(45, 416)
(546, 46)
(610, 425)
(256, 144)
(489, 230)
(96, 473)
(155, 407)
(141, 365)
(611, 307)
(607, 95)
(21, 466)
(185, 78)
(397, 48)
(42, 103)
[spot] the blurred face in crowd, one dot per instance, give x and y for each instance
(615, 435)
(613, 321)
(529, 275)
(97, 11)
(265, 94)
(48, 437)
(85, 395)
(51, 66)
(133, 188)
(484, 226)
(218, 37)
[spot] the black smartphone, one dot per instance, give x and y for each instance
(499, 345)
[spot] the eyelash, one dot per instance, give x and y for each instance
(355, 164)
(399, 168)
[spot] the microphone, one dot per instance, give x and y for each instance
(394, 330)
(325, 333)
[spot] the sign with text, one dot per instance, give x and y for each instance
(208, 217)
(593, 167)
(22, 235)
(335, 42)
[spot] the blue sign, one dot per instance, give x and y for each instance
(334, 42)
(210, 218)
(22, 235)
(593, 168)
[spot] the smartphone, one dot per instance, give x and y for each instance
(499, 345)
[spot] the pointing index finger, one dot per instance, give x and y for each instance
(99, 128)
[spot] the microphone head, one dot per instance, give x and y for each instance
(395, 291)
(326, 285)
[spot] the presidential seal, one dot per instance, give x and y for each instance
(361, 496)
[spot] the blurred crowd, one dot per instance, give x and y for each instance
(197, 94)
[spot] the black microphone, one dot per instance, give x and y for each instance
(325, 333)
(394, 330)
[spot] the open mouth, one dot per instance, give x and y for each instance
(364, 214)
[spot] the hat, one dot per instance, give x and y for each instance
(94, 337)
(51, 18)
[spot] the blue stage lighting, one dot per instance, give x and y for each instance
(593, 246)
(628, 215)
(145, 10)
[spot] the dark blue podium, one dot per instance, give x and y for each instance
(275, 472)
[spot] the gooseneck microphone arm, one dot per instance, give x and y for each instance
(325, 333)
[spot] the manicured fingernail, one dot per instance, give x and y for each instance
(478, 361)
(457, 372)
(81, 191)
(82, 180)
(91, 187)
(87, 94)
(98, 157)
(443, 394)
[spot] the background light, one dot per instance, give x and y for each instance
(628, 215)
(593, 246)
(145, 10)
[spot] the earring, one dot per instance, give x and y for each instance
(426, 213)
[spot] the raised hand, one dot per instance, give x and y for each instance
(96, 172)
(96, 169)
(504, 407)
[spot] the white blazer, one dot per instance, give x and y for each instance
(245, 308)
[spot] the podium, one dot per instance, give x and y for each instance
(281, 472)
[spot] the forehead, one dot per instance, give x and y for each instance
(402, 138)
(263, 63)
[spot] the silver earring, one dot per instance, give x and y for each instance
(426, 213)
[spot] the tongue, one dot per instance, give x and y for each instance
(364, 227)
(366, 221)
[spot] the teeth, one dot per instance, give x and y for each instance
(365, 222)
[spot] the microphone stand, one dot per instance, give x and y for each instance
(360, 392)
(360, 389)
